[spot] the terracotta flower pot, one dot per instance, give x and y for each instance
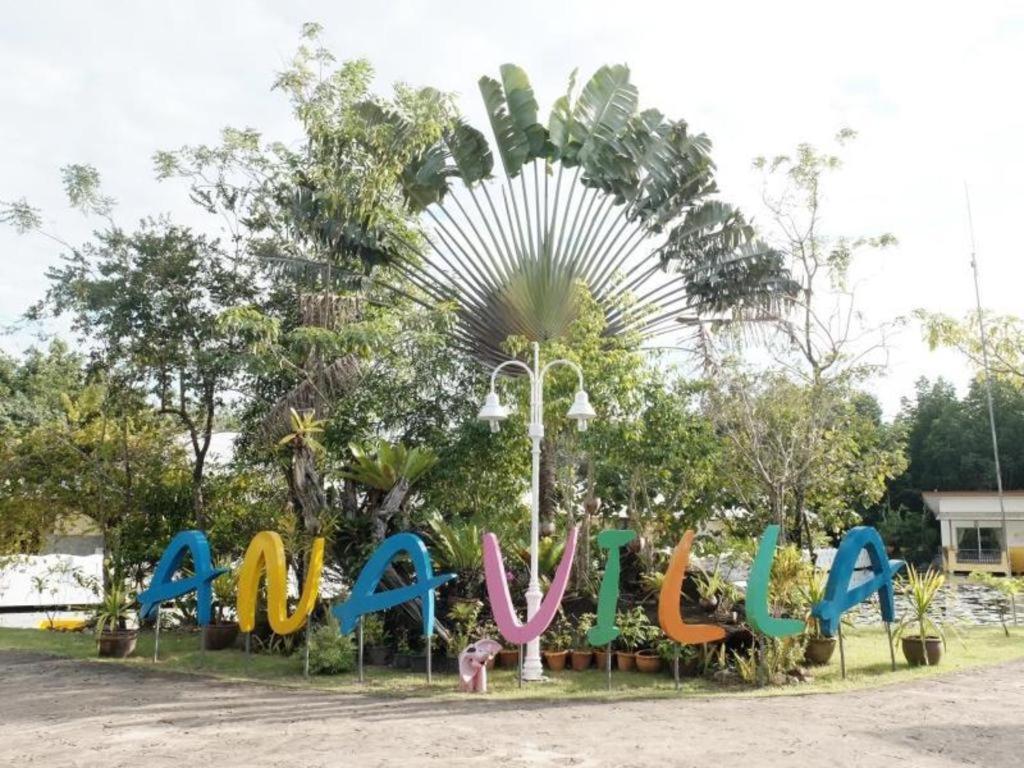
(556, 660)
(625, 660)
(648, 661)
(915, 655)
(508, 658)
(581, 660)
(601, 659)
(119, 644)
(219, 636)
(819, 650)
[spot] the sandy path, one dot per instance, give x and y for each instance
(66, 713)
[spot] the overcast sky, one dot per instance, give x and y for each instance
(934, 90)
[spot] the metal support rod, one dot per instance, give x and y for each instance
(156, 635)
(430, 654)
(892, 648)
(842, 652)
(520, 665)
(361, 675)
(305, 660)
(675, 665)
(608, 664)
(248, 651)
(988, 388)
(202, 646)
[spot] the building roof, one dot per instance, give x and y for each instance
(974, 505)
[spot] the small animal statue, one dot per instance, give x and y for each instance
(473, 665)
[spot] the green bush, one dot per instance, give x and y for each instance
(330, 653)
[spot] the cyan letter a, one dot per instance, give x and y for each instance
(365, 598)
(164, 587)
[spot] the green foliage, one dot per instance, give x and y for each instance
(330, 653)
(635, 629)
(382, 465)
(560, 636)
(584, 623)
(457, 547)
(374, 632)
(768, 661)
(465, 619)
(949, 443)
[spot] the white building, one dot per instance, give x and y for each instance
(971, 524)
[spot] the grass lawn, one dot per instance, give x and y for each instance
(867, 658)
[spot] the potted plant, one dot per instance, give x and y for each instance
(113, 638)
(557, 641)
(582, 654)
(508, 657)
(819, 647)
(926, 646)
(635, 631)
(222, 633)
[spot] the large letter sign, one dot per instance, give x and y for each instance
(164, 587)
(266, 553)
(604, 630)
(839, 598)
(365, 598)
(501, 600)
(757, 591)
(669, 616)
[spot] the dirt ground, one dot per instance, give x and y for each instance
(57, 712)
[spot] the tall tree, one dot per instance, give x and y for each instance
(784, 429)
(148, 303)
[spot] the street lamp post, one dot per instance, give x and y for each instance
(494, 413)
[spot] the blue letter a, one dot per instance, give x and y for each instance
(839, 597)
(164, 587)
(365, 598)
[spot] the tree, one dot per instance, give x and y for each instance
(514, 262)
(804, 434)
(105, 457)
(149, 300)
(323, 222)
(1005, 336)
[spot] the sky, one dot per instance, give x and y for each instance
(933, 90)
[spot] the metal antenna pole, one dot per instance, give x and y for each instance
(988, 384)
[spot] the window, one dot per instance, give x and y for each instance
(979, 544)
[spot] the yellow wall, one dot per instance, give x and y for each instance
(1017, 559)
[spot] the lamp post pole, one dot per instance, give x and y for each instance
(532, 667)
(494, 413)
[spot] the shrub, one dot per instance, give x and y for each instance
(330, 653)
